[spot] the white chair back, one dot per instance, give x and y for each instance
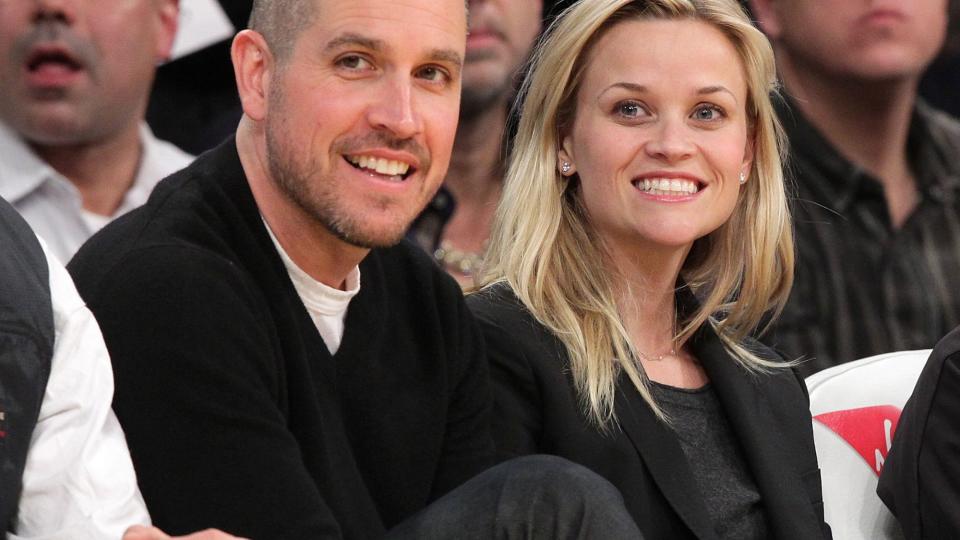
(856, 407)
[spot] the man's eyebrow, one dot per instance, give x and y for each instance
(446, 55)
(355, 40)
(378, 45)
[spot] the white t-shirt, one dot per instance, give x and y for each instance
(78, 482)
(326, 305)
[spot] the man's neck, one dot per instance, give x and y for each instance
(102, 171)
(475, 177)
(308, 243)
(867, 122)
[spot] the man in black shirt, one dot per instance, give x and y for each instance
(283, 370)
(877, 202)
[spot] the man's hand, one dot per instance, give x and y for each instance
(139, 532)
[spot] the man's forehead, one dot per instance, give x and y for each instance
(439, 14)
(435, 28)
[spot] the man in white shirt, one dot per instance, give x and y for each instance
(65, 471)
(74, 80)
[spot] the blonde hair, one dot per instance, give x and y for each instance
(542, 245)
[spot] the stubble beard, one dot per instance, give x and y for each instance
(304, 184)
(308, 188)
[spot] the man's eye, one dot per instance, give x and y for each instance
(354, 62)
(433, 74)
(708, 113)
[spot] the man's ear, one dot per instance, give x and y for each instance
(168, 17)
(252, 67)
(767, 17)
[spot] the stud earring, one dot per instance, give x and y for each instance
(565, 167)
(743, 178)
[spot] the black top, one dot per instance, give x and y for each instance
(920, 482)
(715, 459)
(236, 414)
(863, 287)
(537, 410)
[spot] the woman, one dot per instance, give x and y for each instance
(642, 235)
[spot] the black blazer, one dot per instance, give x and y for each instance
(537, 410)
(920, 482)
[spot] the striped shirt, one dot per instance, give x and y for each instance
(863, 287)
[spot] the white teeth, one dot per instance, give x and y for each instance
(667, 186)
(387, 167)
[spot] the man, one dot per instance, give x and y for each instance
(64, 468)
(74, 76)
(253, 399)
(920, 482)
(877, 211)
(456, 224)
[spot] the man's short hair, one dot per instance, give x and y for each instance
(280, 22)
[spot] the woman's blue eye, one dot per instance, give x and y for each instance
(629, 109)
(708, 113)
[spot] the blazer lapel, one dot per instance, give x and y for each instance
(658, 447)
(745, 399)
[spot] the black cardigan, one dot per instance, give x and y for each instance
(537, 410)
(236, 414)
(920, 482)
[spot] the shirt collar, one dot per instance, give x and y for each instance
(21, 170)
(828, 174)
(933, 142)
(148, 171)
(934, 147)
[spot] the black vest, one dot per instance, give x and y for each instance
(26, 350)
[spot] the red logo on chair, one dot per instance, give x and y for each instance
(869, 430)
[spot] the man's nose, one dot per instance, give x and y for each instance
(64, 11)
(396, 111)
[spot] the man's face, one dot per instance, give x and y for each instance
(77, 71)
(501, 35)
(862, 39)
(361, 117)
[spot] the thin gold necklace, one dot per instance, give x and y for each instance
(671, 352)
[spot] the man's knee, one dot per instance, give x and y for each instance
(559, 475)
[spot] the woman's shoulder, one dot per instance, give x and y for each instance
(505, 320)
(497, 303)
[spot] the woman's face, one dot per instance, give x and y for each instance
(660, 134)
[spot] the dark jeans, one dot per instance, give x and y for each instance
(528, 497)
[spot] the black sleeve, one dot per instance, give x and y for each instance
(517, 409)
(467, 445)
(938, 471)
(198, 395)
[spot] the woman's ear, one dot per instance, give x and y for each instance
(565, 161)
(748, 153)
